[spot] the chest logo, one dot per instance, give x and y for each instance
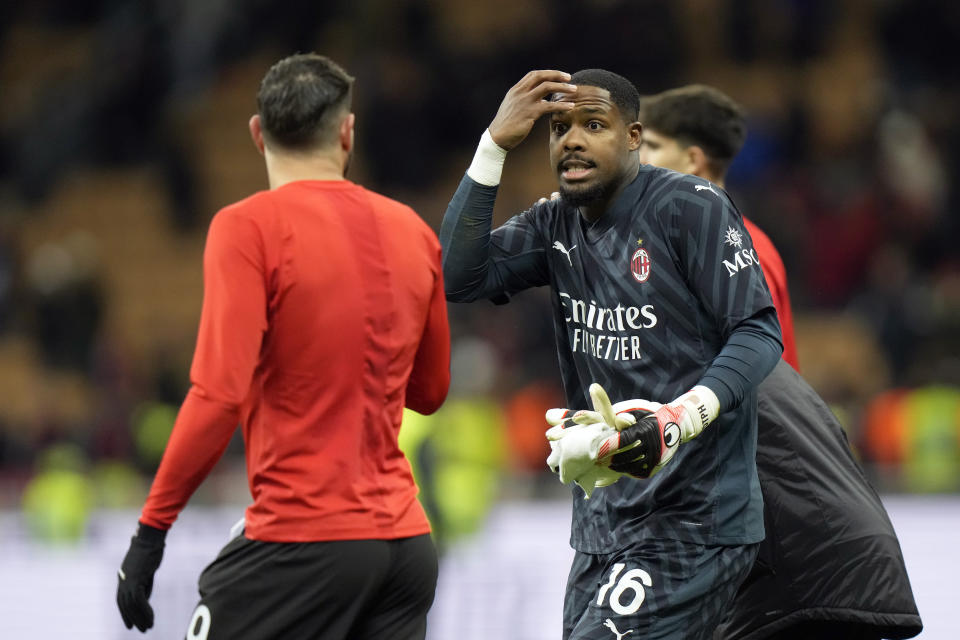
(562, 249)
(640, 265)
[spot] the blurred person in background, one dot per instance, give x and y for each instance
(823, 519)
(913, 437)
(458, 454)
(641, 304)
(323, 317)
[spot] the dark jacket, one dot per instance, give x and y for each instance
(830, 552)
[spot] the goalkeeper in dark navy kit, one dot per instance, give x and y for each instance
(658, 297)
(830, 566)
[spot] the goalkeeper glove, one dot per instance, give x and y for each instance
(646, 446)
(574, 456)
(575, 439)
(136, 576)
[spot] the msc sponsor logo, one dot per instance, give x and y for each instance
(733, 237)
(742, 259)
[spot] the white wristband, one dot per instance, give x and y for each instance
(487, 165)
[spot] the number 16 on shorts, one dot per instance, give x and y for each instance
(626, 592)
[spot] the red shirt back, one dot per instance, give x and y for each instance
(323, 316)
(776, 277)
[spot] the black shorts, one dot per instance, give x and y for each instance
(660, 590)
(354, 589)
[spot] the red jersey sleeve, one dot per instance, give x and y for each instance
(232, 325)
(776, 277)
(430, 378)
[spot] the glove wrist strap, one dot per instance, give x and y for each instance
(701, 405)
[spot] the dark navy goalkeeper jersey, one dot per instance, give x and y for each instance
(643, 301)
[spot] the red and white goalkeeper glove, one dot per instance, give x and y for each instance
(644, 447)
(632, 437)
(575, 439)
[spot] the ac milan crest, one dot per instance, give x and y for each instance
(640, 265)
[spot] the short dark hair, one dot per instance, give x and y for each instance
(622, 92)
(698, 115)
(299, 98)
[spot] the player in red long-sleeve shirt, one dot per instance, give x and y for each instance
(323, 317)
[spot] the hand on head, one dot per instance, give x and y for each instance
(539, 92)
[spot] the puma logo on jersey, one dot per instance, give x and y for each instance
(608, 623)
(701, 187)
(562, 249)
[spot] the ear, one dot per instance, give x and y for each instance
(346, 132)
(634, 135)
(697, 162)
(256, 132)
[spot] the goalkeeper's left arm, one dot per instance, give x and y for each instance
(749, 355)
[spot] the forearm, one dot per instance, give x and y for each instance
(430, 377)
(465, 238)
(468, 222)
(751, 352)
(201, 434)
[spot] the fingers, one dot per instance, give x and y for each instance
(123, 612)
(553, 460)
(602, 404)
(556, 416)
(545, 89)
(606, 481)
(142, 612)
(534, 78)
(135, 609)
(636, 405)
(544, 83)
(123, 602)
(555, 433)
(624, 420)
(526, 102)
(564, 418)
(553, 196)
(566, 427)
(587, 417)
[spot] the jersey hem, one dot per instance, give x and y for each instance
(270, 534)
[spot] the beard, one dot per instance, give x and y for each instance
(589, 195)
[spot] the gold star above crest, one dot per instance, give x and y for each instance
(639, 242)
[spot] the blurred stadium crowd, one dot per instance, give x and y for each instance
(123, 130)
